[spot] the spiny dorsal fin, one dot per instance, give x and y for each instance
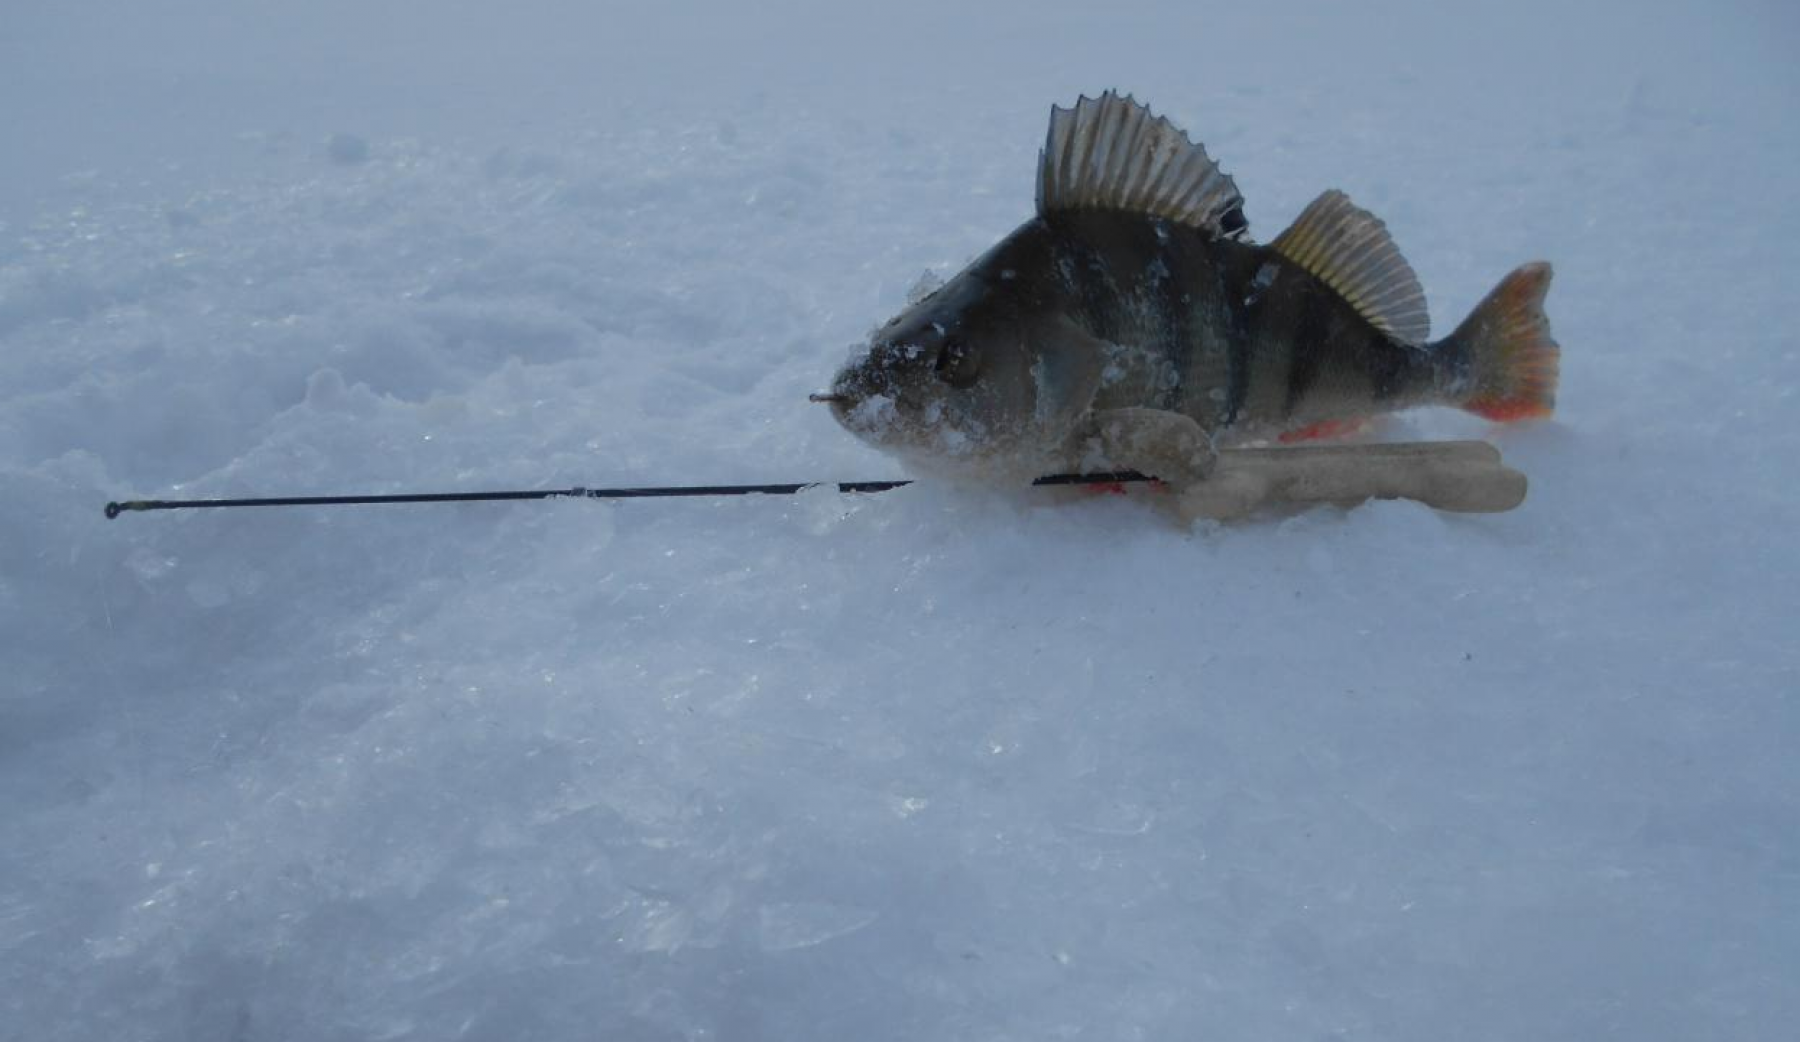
(1348, 248)
(1110, 153)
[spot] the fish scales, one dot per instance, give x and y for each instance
(1132, 322)
(1230, 317)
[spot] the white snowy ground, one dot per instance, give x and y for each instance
(928, 765)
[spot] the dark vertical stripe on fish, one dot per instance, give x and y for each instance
(1308, 346)
(1177, 320)
(1390, 368)
(1092, 281)
(1239, 388)
(1240, 346)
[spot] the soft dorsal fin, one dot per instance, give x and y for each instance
(1110, 153)
(1348, 248)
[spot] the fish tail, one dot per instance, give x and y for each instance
(1506, 361)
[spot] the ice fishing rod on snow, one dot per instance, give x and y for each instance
(1463, 476)
(134, 506)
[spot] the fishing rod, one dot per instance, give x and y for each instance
(136, 506)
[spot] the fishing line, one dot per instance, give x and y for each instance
(137, 506)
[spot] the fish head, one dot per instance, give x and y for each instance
(977, 379)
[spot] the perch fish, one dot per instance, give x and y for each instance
(1132, 323)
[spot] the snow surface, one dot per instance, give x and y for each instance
(925, 765)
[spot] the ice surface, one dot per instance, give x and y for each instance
(924, 765)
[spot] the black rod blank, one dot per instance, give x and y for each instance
(114, 509)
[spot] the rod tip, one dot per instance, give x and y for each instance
(113, 509)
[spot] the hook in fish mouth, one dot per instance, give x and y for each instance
(821, 396)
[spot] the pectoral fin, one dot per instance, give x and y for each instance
(1066, 373)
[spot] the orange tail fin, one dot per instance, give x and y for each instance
(1512, 359)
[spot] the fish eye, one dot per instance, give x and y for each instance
(958, 364)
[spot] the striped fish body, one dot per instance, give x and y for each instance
(1232, 334)
(1133, 322)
